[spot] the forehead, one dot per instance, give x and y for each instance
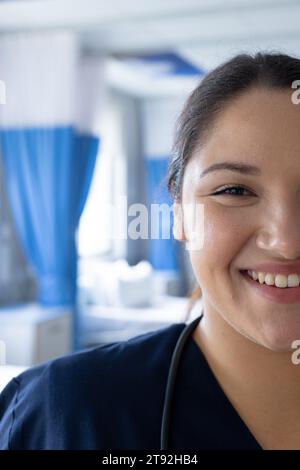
(261, 125)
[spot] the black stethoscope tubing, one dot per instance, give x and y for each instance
(165, 426)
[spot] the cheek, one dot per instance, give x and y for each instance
(225, 234)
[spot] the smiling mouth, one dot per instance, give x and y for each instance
(248, 276)
(281, 294)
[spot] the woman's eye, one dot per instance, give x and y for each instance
(234, 191)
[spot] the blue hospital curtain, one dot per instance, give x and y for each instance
(157, 137)
(48, 155)
(162, 250)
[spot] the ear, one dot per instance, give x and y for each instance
(178, 227)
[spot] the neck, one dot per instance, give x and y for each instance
(245, 366)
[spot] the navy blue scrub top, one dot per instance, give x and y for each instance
(112, 396)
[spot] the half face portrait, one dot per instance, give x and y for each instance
(246, 174)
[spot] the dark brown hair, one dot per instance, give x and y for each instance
(215, 90)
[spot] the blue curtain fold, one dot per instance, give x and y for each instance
(163, 252)
(48, 172)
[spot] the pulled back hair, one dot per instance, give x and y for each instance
(269, 70)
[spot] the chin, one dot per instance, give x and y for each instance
(280, 337)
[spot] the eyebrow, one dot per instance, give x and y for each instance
(238, 167)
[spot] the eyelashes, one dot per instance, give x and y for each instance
(238, 190)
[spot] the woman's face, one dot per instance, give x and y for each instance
(257, 224)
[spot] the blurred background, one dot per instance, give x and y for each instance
(90, 92)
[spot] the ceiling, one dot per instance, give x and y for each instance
(204, 32)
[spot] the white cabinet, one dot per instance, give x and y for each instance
(31, 334)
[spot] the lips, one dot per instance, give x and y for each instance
(275, 268)
(272, 293)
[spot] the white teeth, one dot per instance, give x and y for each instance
(269, 279)
(293, 280)
(279, 280)
(261, 278)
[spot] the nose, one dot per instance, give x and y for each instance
(280, 232)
